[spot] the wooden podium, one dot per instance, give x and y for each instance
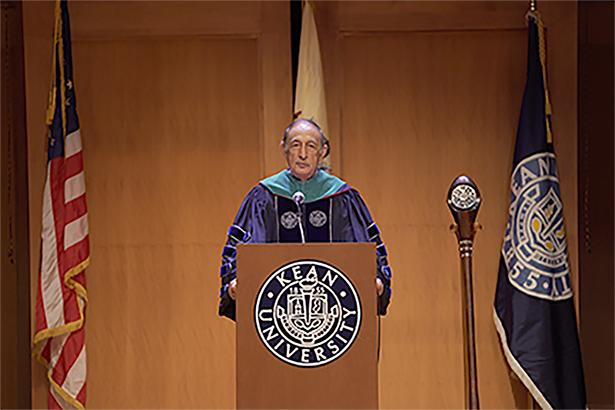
(304, 340)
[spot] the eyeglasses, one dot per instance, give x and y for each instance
(310, 146)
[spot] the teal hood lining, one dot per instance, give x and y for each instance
(321, 185)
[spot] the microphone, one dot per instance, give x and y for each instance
(299, 198)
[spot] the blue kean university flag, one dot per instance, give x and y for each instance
(534, 309)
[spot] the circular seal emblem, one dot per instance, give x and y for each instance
(289, 219)
(318, 218)
(464, 197)
(307, 313)
(534, 247)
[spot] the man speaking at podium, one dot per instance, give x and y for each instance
(302, 203)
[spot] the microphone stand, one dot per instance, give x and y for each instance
(298, 198)
(300, 216)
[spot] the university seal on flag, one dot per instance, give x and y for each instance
(307, 313)
(534, 247)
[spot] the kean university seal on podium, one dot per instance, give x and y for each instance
(307, 313)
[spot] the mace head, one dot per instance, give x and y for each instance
(464, 201)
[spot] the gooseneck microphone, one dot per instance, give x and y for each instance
(299, 198)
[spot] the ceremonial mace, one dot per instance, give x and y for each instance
(464, 201)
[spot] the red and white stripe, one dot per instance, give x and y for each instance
(60, 334)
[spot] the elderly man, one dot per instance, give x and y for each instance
(332, 212)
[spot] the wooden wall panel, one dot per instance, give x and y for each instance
(274, 51)
(596, 200)
(15, 373)
(181, 107)
(173, 117)
(412, 118)
(92, 19)
(161, 178)
(427, 91)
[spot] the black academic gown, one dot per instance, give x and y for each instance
(265, 217)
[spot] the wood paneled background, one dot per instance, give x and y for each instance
(182, 106)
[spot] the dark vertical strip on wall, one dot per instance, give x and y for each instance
(15, 291)
(595, 150)
(295, 40)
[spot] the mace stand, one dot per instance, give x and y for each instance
(464, 201)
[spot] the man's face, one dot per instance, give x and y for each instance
(303, 150)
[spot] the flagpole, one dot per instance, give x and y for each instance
(464, 202)
(531, 403)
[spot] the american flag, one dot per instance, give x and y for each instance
(59, 342)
